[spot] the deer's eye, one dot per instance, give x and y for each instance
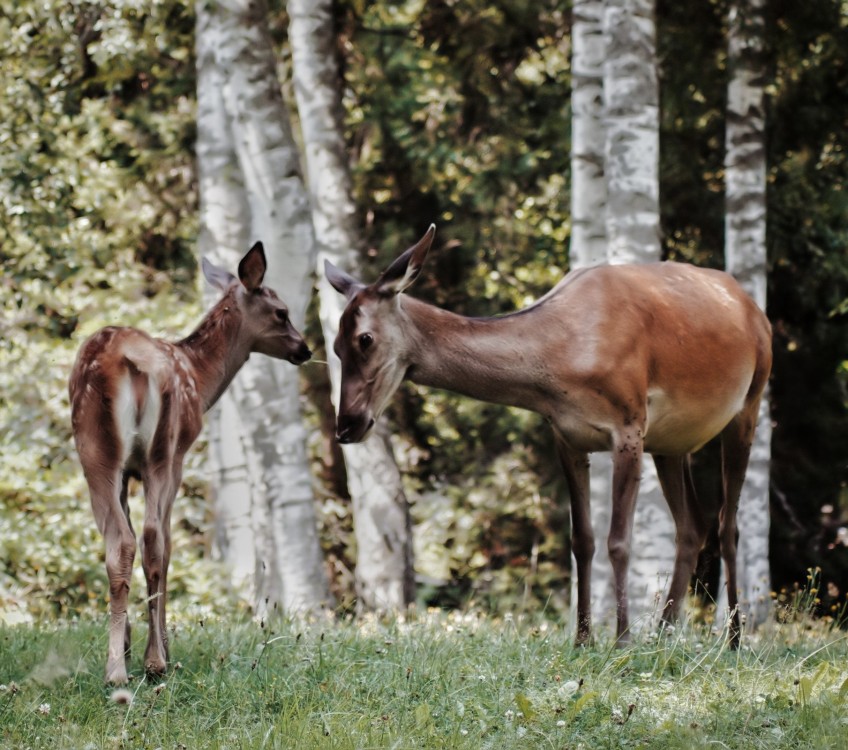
(282, 315)
(365, 341)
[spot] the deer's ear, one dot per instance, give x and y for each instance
(252, 268)
(342, 282)
(400, 274)
(217, 277)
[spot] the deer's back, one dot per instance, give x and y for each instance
(683, 347)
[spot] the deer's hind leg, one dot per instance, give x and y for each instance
(159, 492)
(125, 481)
(675, 477)
(736, 440)
(108, 502)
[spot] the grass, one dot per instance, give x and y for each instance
(432, 681)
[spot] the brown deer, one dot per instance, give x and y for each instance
(660, 357)
(137, 406)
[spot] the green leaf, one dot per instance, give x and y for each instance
(423, 717)
(843, 689)
(525, 706)
(579, 704)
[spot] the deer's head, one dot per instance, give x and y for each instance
(265, 325)
(372, 340)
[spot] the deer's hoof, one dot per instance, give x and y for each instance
(116, 674)
(155, 667)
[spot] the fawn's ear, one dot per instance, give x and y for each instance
(342, 282)
(252, 268)
(405, 269)
(216, 276)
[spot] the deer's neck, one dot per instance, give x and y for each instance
(215, 350)
(492, 359)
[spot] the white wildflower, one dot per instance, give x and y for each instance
(122, 697)
(567, 689)
(44, 709)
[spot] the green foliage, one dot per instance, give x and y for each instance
(431, 681)
(458, 113)
(808, 236)
(97, 223)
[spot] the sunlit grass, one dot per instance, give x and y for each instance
(431, 680)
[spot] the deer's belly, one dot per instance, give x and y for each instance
(683, 425)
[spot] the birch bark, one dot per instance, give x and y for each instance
(224, 233)
(382, 525)
(589, 248)
(745, 258)
(232, 38)
(588, 185)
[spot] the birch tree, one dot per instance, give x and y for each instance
(745, 257)
(224, 231)
(589, 248)
(588, 185)
(251, 188)
(615, 219)
(382, 525)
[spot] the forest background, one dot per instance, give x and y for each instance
(455, 113)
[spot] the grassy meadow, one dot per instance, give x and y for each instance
(426, 681)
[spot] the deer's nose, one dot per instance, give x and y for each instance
(352, 428)
(301, 354)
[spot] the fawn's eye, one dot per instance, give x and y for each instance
(282, 315)
(365, 341)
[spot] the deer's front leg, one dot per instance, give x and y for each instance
(575, 465)
(627, 465)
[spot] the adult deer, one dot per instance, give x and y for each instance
(658, 357)
(137, 405)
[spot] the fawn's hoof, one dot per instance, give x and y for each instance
(116, 675)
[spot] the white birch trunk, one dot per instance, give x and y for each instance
(382, 525)
(745, 257)
(588, 185)
(631, 126)
(224, 234)
(266, 393)
(589, 248)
